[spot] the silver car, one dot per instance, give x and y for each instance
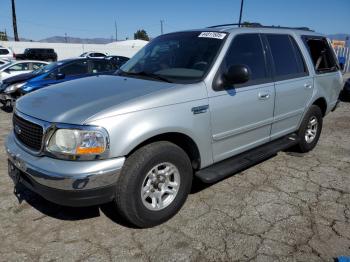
(203, 103)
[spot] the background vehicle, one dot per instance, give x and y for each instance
(43, 54)
(205, 103)
(51, 74)
(19, 67)
(4, 61)
(6, 53)
(118, 61)
(93, 54)
(345, 94)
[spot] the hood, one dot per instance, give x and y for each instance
(18, 78)
(75, 101)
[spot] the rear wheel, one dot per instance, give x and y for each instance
(310, 129)
(154, 184)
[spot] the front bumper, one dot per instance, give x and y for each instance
(72, 183)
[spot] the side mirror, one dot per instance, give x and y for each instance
(237, 74)
(60, 76)
(341, 66)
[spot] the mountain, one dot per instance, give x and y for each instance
(76, 40)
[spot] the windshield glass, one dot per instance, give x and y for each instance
(183, 57)
(46, 68)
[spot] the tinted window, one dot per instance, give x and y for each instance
(247, 50)
(283, 55)
(98, 66)
(75, 68)
(4, 52)
(322, 55)
(97, 55)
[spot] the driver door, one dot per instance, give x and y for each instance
(241, 115)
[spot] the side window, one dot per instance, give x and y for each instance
(38, 65)
(287, 59)
(99, 55)
(75, 68)
(19, 67)
(4, 52)
(247, 49)
(99, 66)
(321, 54)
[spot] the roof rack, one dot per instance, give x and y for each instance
(256, 25)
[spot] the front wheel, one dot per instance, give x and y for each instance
(154, 184)
(310, 129)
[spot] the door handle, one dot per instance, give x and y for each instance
(308, 85)
(264, 96)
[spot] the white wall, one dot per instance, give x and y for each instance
(66, 50)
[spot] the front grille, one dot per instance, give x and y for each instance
(30, 134)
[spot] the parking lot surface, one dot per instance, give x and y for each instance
(293, 207)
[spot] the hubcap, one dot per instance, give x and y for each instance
(311, 130)
(160, 186)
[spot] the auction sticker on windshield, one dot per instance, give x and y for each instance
(213, 35)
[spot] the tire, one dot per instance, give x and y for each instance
(136, 174)
(308, 142)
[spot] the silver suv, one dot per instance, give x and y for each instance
(204, 103)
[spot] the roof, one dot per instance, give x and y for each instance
(255, 27)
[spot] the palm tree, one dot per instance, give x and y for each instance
(14, 21)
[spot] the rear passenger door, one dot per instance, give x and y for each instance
(241, 115)
(293, 84)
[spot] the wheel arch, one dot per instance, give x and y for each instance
(322, 104)
(180, 139)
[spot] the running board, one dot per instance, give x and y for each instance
(228, 167)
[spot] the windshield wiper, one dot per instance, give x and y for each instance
(147, 74)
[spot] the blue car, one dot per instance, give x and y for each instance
(61, 71)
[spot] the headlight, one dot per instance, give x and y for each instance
(75, 142)
(14, 87)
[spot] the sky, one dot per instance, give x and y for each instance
(38, 19)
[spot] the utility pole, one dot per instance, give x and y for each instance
(240, 14)
(116, 30)
(161, 27)
(65, 37)
(14, 21)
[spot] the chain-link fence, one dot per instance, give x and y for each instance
(343, 53)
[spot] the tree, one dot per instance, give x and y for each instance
(14, 21)
(141, 34)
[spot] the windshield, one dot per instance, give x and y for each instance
(183, 57)
(46, 68)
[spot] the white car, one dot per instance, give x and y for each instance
(6, 53)
(93, 54)
(4, 61)
(19, 67)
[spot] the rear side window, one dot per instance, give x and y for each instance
(287, 59)
(322, 55)
(75, 68)
(4, 51)
(99, 66)
(97, 55)
(247, 49)
(38, 65)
